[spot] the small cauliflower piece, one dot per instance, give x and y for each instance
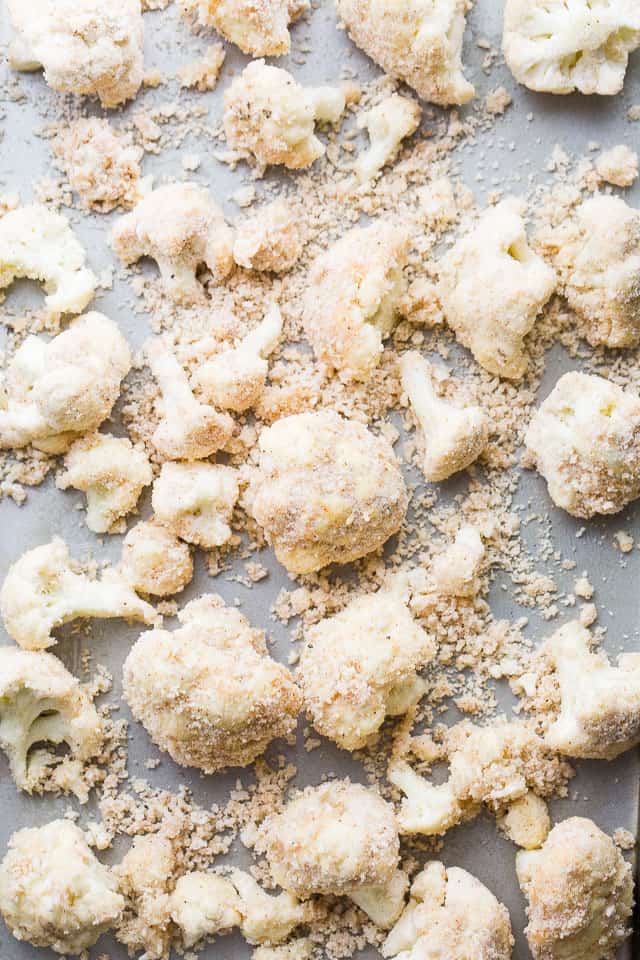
(526, 822)
(585, 441)
(204, 904)
(455, 571)
(145, 879)
(196, 500)
(203, 74)
(103, 167)
(154, 561)
(39, 244)
(57, 391)
(327, 490)
(580, 893)
(209, 693)
(266, 918)
(492, 287)
(352, 298)
(271, 240)
(259, 27)
(42, 591)
(418, 41)
(555, 46)
(387, 124)
(618, 166)
(181, 227)
(54, 892)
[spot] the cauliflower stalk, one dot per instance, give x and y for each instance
(154, 561)
(258, 28)
(387, 124)
(196, 500)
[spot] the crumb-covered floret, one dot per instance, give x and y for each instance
(196, 500)
(84, 46)
(351, 303)
(181, 227)
(55, 392)
(265, 917)
(209, 693)
(492, 287)
(387, 124)
(54, 892)
(585, 441)
(259, 27)
(39, 244)
(42, 590)
(416, 41)
(327, 490)
(154, 561)
(580, 894)
(456, 571)
(145, 878)
(103, 166)
(526, 822)
(618, 165)
(203, 74)
(271, 240)
(557, 47)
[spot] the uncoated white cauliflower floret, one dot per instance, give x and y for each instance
(585, 441)
(84, 46)
(618, 166)
(271, 240)
(258, 27)
(558, 46)
(361, 665)
(39, 244)
(54, 892)
(453, 437)
(387, 124)
(57, 391)
(42, 591)
(209, 693)
(154, 561)
(42, 703)
(196, 500)
(181, 227)
(418, 41)
(580, 893)
(492, 287)
(269, 116)
(327, 490)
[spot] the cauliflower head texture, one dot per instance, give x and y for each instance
(154, 561)
(196, 500)
(259, 27)
(271, 240)
(387, 124)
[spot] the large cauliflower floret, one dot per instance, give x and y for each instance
(352, 299)
(492, 287)
(326, 491)
(585, 441)
(42, 591)
(361, 665)
(209, 693)
(580, 893)
(54, 892)
(258, 27)
(57, 391)
(271, 240)
(196, 500)
(181, 227)
(418, 41)
(558, 46)
(387, 124)
(154, 561)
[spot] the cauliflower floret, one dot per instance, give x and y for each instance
(84, 46)
(387, 124)
(618, 166)
(42, 591)
(326, 491)
(448, 911)
(154, 561)
(181, 227)
(209, 693)
(57, 391)
(580, 893)
(492, 287)
(204, 904)
(266, 918)
(269, 116)
(54, 892)
(42, 703)
(145, 879)
(39, 244)
(352, 298)
(196, 500)
(112, 473)
(558, 46)
(259, 27)
(455, 571)
(418, 41)
(585, 441)
(202, 74)
(453, 437)
(361, 665)
(271, 240)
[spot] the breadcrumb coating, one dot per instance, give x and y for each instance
(618, 166)
(259, 27)
(196, 500)
(103, 167)
(145, 879)
(154, 561)
(271, 240)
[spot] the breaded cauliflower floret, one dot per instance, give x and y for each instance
(618, 166)
(54, 892)
(112, 473)
(492, 287)
(42, 703)
(455, 572)
(259, 27)
(39, 244)
(154, 561)
(327, 490)
(387, 124)
(181, 227)
(196, 500)
(270, 117)
(57, 391)
(42, 591)
(362, 665)
(209, 693)
(85, 46)
(585, 441)
(558, 46)
(450, 912)
(418, 41)
(145, 878)
(351, 304)
(271, 240)
(580, 893)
